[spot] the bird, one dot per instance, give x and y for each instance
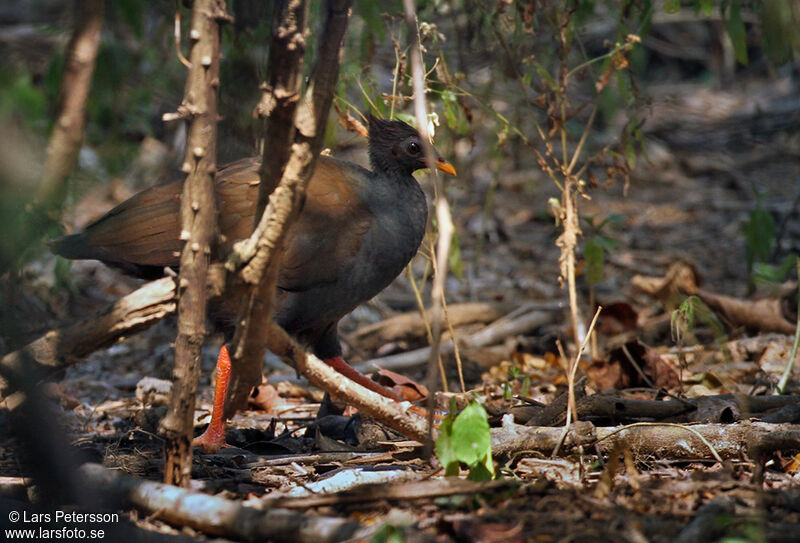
(356, 232)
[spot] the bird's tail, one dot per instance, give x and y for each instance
(72, 246)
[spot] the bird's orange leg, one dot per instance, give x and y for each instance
(353, 374)
(213, 439)
(338, 363)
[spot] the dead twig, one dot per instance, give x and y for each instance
(443, 217)
(398, 491)
(409, 326)
(572, 412)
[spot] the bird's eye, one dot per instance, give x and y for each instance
(413, 148)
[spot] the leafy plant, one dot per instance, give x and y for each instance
(388, 533)
(597, 245)
(759, 234)
(764, 272)
(513, 375)
(465, 439)
(693, 310)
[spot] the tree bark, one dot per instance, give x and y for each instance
(198, 225)
(67, 135)
(702, 442)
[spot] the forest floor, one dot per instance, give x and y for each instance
(680, 229)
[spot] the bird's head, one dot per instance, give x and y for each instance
(397, 146)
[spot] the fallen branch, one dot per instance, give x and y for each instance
(493, 333)
(215, 515)
(661, 440)
(410, 326)
(395, 415)
(62, 347)
(398, 491)
(720, 408)
(513, 438)
(130, 314)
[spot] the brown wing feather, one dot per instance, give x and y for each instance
(145, 229)
(330, 227)
(330, 230)
(237, 194)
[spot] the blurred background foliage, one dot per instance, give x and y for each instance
(494, 80)
(482, 45)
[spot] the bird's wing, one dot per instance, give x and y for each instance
(237, 196)
(329, 231)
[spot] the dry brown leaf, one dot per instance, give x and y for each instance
(266, 397)
(407, 389)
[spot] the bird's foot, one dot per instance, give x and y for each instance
(213, 439)
(351, 373)
(338, 363)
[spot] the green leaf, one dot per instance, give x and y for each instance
(455, 262)
(607, 244)
(672, 6)
(450, 114)
(593, 254)
(466, 439)
(736, 31)
(545, 75)
(406, 118)
(388, 533)
(759, 233)
(481, 472)
(778, 30)
(630, 153)
(613, 218)
(526, 386)
(706, 7)
(445, 446)
(767, 273)
(471, 436)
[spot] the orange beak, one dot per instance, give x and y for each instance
(445, 166)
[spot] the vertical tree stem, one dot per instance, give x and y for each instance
(198, 224)
(67, 135)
